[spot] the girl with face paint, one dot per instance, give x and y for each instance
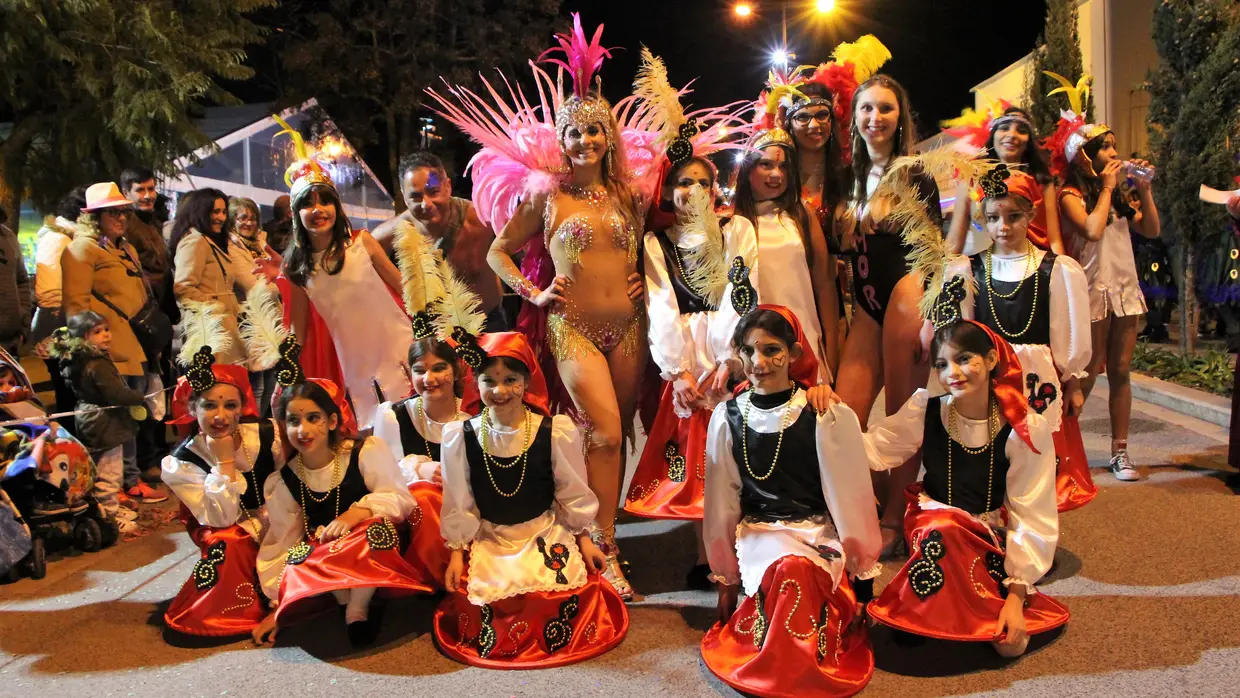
(982, 525)
(218, 472)
(1019, 289)
(1008, 137)
(789, 517)
(518, 510)
(339, 513)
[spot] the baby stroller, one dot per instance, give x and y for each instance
(48, 476)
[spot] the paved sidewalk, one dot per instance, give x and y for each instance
(1149, 571)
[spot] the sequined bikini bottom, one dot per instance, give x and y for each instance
(570, 338)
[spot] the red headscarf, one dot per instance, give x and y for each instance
(1022, 184)
(514, 346)
(803, 371)
(236, 376)
(1008, 386)
(348, 423)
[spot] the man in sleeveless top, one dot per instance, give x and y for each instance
(450, 225)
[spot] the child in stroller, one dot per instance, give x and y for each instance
(47, 477)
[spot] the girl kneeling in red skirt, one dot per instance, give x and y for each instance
(982, 526)
(338, 514)
(517, 506)
(790, 516)
(217, 473)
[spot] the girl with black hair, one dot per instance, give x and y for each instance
(982, 525)
(525, 589)
(218, 472)
(790, 521)
(342, 295)
(1096, 219)
(338, 513)
(1008, 138)
(206, 274)
(783, 242)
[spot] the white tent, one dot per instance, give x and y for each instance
(250, 161)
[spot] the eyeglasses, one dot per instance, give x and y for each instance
(118, 212)
(803, 119)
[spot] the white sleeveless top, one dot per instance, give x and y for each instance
(369, 330)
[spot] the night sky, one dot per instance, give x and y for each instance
(940, 49)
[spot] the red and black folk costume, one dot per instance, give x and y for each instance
(688, 300)
(225, 517)
(790, 516)
(293, 566)
(1016, 297)
(983, 517)
(516, 500)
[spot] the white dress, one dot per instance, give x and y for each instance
(1112, 272)
(780, 273)
(741, 549)
(1032, 515)
(416, 467)
(1071, 345)
(504, 560)
(694, 342)
(369, 330)
(214, 500)
(389, 497)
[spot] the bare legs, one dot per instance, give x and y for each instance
(605, 389)
(888, 355)
(1114, 340)
(904, 371)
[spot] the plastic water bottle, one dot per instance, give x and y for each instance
(1139, 173)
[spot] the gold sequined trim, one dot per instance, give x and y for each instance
(796, 603)
(245, 594)
(568, 341)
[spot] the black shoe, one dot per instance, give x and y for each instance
(364, 632)
(698, 578)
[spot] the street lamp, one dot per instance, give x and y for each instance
(781, 56)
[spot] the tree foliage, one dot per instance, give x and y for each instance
(1194, 118)
(368, 61)
(91, 86)
(1059, 51)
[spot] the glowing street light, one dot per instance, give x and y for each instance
(825, 6)
(742, 9)
(780, 57)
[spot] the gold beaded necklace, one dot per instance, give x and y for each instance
(300, 468)
(522, 458)
(783, 426)
(992, 424)
(425, 422)
(684, 276)
(990, 298)
(250, 478)
(989, 260)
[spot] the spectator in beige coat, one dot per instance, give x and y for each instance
(205, 267)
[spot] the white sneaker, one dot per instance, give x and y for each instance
(127, 527)
(127, 514)
(1122, 467)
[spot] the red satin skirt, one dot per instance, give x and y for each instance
(795, 638)
(369, 556)
(426, 553)
(222, 596)
(538, 630)
(670, 480)
(1074, 487)
(950, 588)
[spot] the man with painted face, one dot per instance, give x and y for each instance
(450, 225)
